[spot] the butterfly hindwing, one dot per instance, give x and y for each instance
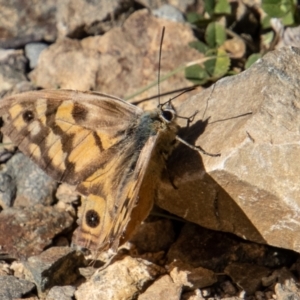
(100, 232)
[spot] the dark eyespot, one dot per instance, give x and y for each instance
(92, 218)
(168, 115)
(28, 116)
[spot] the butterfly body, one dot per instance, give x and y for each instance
(112, 151)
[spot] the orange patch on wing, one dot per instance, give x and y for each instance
(80, 134)
(106, 141)
(41, 109)
(102, 177)
(84, 153)
(16, 115)
(64, 126)
(15, 110)
(64, 112)
(19, 123)
(54, 149)
(35, 151)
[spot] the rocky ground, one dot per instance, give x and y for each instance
(223, 227)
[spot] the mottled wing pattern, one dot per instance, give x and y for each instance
(83, 139)
(125, 200)
(67, 133)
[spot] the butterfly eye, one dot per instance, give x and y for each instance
(28, 116)
(168, 115)
(92, 218)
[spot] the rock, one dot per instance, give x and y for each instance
(61, 292)
(247, 276)
(76, 18)
(29, 230)
(169, 12)
(14, 59)
(24, 22)
(18, 269)
(191, 278)
(154, 236)
(287, 291)
(123, 279)
(18, 87)
(33, 51)
(269, 280)
(23, 183)
(228, 288)
(236, 47)
(73, 67)
(195, 295)
(287, 36)
(68, 198)
(12, 288)
(253, 188)
(12, 69)
(199, 247)
(287, 286)
(66, 193)
(4, 269)
(55, 266)
(8, 189)
(27, 298)
(181, 5)
(162, 288)
(130, 55)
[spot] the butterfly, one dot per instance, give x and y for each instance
(112, 151)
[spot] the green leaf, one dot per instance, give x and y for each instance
(200, 46)
(222, 7)
(265, 22)
(288, 19)
(209, 6)
(194, 18)
(278, 8)
(219, 66)
(267, 38)
(215, 35)
(252, 59)
(196, 74)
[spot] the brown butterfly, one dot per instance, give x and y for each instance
(112, 151)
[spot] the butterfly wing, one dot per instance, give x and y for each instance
(127, 209)
(84, 139)
(68, 134)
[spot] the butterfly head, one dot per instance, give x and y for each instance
(167, 112)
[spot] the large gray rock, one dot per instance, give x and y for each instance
(253, 188)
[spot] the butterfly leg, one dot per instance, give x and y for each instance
(190, 119)
(196, 148)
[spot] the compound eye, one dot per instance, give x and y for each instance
(168, 115)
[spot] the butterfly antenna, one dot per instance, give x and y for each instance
(186, 90)
(159, 62)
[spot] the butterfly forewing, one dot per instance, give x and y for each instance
(66, 133)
